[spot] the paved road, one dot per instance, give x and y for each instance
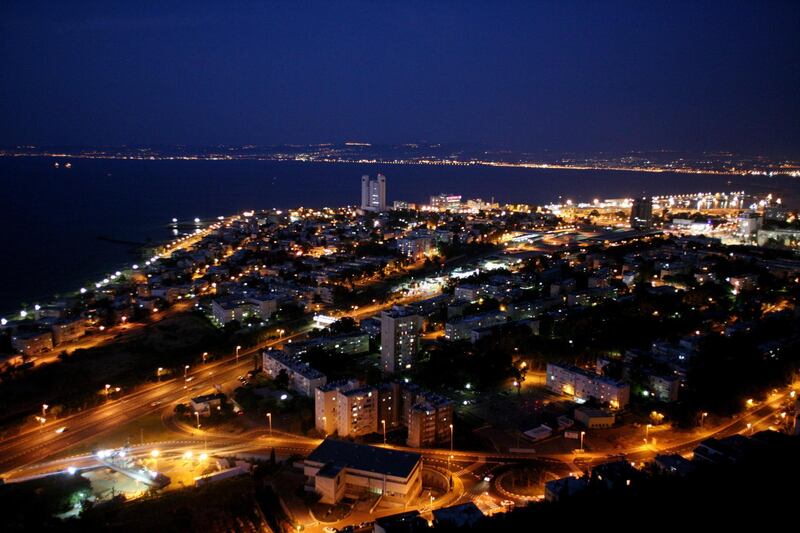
(37, 444)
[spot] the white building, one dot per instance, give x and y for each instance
(446, 202)
(326, 406)
(415, 246)
(357, 412)
(228, 309)
(338, 468)
(400, 337)
(68, 330)
(348, 344)
(583, 385)
(461, 329)
(302, 378)
(373, 193)
(32, 343)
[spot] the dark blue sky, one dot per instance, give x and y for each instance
(532, 75)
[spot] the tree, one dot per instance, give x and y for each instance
(282, 379)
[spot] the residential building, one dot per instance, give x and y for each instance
(348, 344)
(445, 202)
(564, 487)
(302, 378)
(465, 515)
(641, 213)
(32, 342)
(373, 193)
(583, 385)
(406, 522)
(326, 406)
(415, 246)
(673, 464)
(357, 411)
(461, 329)
(389, 410)
(66, 330)
(400, 338)
(664, 388)
(430, 421)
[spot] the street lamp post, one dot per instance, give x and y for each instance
(383, 422)
(205, 357)
(159, 370)
(237, 352)
(44, 410)
(106, 390)
(703, 419)
(269, 417)
(647, 432)
(185, 372)
(583, 434)
(451, 438)
(197, 416)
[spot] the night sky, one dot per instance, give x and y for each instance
(535, 75)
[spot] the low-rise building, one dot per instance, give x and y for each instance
(68, 330)
(461, 329)
(594, 418)
(204, 404)
(407, 522)
(673, 464)
(302, 377)
(557, 489)
(583, 385)
(32, 342)
(348, 344)
(465, 515)
(664, 388)
(336, 469)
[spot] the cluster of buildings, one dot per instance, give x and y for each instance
(622, 475)
(351, 409)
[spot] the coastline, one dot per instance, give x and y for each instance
(143, 192)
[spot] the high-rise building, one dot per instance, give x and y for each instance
(429, 421)
(389, 410)
(446, 202)
(642, 213)
(357, 411)
(400, 336)
(326, 406)
(373, 193)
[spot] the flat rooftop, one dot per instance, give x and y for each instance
(345, 454)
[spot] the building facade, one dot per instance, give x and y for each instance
(400, 337)
(373, 193)
(430, 421)
(302, 378)
(583, 385)
(336, 469)
(641, 213)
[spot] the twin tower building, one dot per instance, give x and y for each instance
(373, 193)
